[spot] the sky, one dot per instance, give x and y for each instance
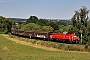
(47, 9)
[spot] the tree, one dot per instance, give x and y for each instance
(54, 25)
(31, 26)
(43, 22)
(79, 21)
(64, 29)
(32, 19)
(5, 24)
(88, 29)
(47, 28)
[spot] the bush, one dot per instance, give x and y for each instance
(33, 41)
(69, 47)
(61, 46)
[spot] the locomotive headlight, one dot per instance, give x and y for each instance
(75, 36)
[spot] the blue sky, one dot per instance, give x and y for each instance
(53, 9)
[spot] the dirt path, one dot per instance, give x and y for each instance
(28, 43)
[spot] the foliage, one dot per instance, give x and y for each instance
(64, 22)
(47, 28)
(79, 21)
(63, 28)
(21, 25)
(31, 26)
(32, 19)
(88, 29)
(43, 22)
(5, 24)
(46, 22)
(54, 25)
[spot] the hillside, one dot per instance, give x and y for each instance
(10, 50)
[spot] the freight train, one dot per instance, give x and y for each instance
(49, 35)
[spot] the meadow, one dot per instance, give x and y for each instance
(10, 50)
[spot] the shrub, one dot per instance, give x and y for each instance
(61, 46)
(33, 41)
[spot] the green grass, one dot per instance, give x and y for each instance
(17, 51)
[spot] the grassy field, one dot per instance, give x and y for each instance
(13, 51)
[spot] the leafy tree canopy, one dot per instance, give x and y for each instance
(80, 20)
(5, 24)
(32, 19)
(47, 28)
(31, 26)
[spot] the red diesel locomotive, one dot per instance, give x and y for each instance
(65, 37)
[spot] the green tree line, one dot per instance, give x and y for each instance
(44, 24)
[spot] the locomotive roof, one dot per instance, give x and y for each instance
(64, 33)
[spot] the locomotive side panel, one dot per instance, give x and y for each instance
(65, 37)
